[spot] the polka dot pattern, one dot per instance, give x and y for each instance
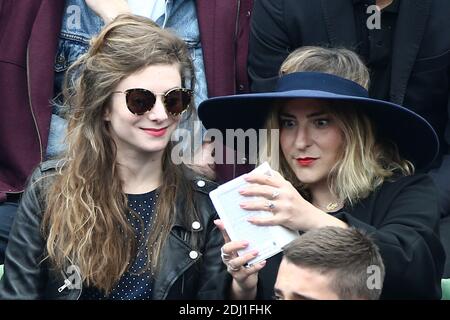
(134, 284)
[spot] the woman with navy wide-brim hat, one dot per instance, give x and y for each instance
(343, 160)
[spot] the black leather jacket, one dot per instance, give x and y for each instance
(185, 272)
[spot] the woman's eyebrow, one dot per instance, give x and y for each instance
(311, 115)
(286, 115)
(317, 114)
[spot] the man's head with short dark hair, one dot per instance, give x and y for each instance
(331, 263)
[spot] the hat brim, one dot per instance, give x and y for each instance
(414, 136)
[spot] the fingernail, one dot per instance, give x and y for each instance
(245, 243)
(242, 205)
(262, 263)
(216, 222)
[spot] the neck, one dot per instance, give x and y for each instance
(323, 198)
(140, 173)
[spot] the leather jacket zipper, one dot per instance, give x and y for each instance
(66, 284)
(182, 277)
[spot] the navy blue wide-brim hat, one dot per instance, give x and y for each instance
(414, 136)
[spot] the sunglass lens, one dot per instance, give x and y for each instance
(140, 101)
(177, 101)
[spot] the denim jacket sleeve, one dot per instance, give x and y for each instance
(79, 25)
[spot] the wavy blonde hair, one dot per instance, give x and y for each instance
(365, 161)
(86, 214)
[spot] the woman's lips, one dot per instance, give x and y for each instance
(155, 132)
(307, 161)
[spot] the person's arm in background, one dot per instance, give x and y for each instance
(108, 9)
(268, 44)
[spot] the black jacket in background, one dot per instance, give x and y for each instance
(183, 275)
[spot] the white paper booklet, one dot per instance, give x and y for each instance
(268, 240)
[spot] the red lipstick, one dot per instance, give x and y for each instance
(307, 161)
(156, 132)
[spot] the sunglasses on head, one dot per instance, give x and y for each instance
(139, 101)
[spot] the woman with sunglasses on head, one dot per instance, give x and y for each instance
(114, 218)
(345, 160)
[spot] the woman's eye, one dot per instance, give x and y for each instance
(321, 123)
(287, 123)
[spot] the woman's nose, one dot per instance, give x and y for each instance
(158, 112)
(303, 139)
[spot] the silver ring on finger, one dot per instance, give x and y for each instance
(275, 194)
(271, 206)
(230, 268)
(225, 256)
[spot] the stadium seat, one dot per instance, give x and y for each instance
(445, 289)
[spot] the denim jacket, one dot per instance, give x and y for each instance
(80, 24)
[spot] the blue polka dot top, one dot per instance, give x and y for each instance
(134, 284)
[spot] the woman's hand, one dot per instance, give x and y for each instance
(289, 208)
(245, 280)
(108, 9)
